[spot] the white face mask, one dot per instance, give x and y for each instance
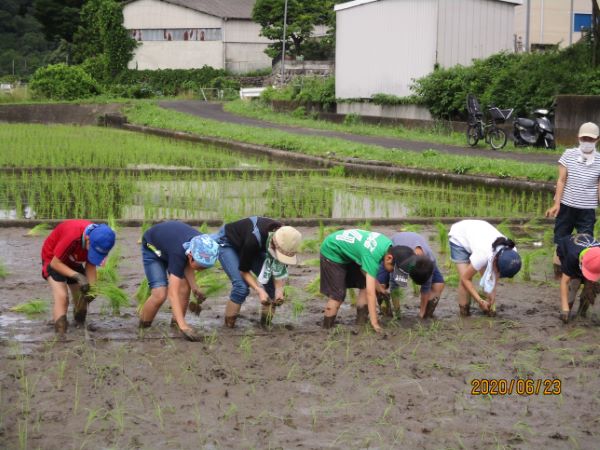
(587, 147)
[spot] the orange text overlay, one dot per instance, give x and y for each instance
(515, 386)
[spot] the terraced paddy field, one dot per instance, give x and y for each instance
(294, 385)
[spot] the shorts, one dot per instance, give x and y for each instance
(458, 254)
(569, 218)
(61, 278)
(154, 268)
(336, 278)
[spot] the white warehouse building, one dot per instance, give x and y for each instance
(187, 34)
(383, 45)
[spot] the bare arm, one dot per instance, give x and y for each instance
(279, 285)
(372, 301)
(254, 284)
(467, 282)
(91, 273)
(175, 293)
(62, 268)
(560, 188)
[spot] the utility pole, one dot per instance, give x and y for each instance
(527, 25)
(283, 41)
(571, 24)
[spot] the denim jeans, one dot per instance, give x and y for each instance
(154, 268)
(230, 261)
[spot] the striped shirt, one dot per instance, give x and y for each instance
(581, 188)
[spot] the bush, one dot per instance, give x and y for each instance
(304, 90)
(171, 81)
(522, 81)
(62, 82)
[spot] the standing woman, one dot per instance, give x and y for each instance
(171, 252)
(477, 246)
(254, 253)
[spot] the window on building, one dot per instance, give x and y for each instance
(177, 34)
(582, 22)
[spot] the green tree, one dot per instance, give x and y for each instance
(102, 44)
(595, 33)
(59, 18)
(302, 17)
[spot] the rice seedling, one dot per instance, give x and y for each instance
(246, 343)
(203, 228)
(109, 271)
(31, 307)
(528, 259)
(142, 293)
(41, 229)
(442, 237)
(312, 262)
(314, 287)
(117, 297)
(504, 228)
(3, 271)
(211, 282)
(298, 307)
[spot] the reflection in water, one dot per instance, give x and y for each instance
(228, 197)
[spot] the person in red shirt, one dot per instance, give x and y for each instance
(70, 255)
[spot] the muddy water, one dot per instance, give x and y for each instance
(301, 195)
(296, 385)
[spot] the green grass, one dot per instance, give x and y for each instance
(152, 115)
(33, 145)
(32, 307)
(41, 229)
(3, 271)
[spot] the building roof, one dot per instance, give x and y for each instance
(227, 9)
(351, 4)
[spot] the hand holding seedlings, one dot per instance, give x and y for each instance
(82, 281)
(199, 295)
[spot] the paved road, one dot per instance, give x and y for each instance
(215, 111)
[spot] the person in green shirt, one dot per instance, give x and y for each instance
(351, 259)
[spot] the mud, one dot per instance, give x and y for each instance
(294, 385)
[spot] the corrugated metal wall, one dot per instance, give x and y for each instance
(471, 29)
(381, 46)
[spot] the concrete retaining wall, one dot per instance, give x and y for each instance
(411, 112)
(68, 113)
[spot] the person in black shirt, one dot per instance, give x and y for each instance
(255, 252)
(171, 252)
(579, 257)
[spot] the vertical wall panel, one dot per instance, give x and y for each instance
(470, 29)
(382, 46)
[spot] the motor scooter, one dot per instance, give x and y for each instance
(538, 132)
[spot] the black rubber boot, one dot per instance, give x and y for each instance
(362, 315)
(328, 322)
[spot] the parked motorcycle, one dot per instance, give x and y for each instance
(538, 132)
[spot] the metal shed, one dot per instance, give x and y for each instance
(382, 45)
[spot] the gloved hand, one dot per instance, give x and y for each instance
(191, 335)
(82, 281)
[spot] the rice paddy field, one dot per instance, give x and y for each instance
(440, 383)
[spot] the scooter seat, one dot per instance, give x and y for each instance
(527, 123)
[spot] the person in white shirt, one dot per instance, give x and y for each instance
(477, 246)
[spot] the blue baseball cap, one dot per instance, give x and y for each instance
(102, 240)
(509, 263)
(204, 250)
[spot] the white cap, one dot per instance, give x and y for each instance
(589, 129)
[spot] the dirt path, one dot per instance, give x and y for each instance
(215, 111)
(295, 386)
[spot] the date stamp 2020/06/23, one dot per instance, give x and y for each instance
(516, 386)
